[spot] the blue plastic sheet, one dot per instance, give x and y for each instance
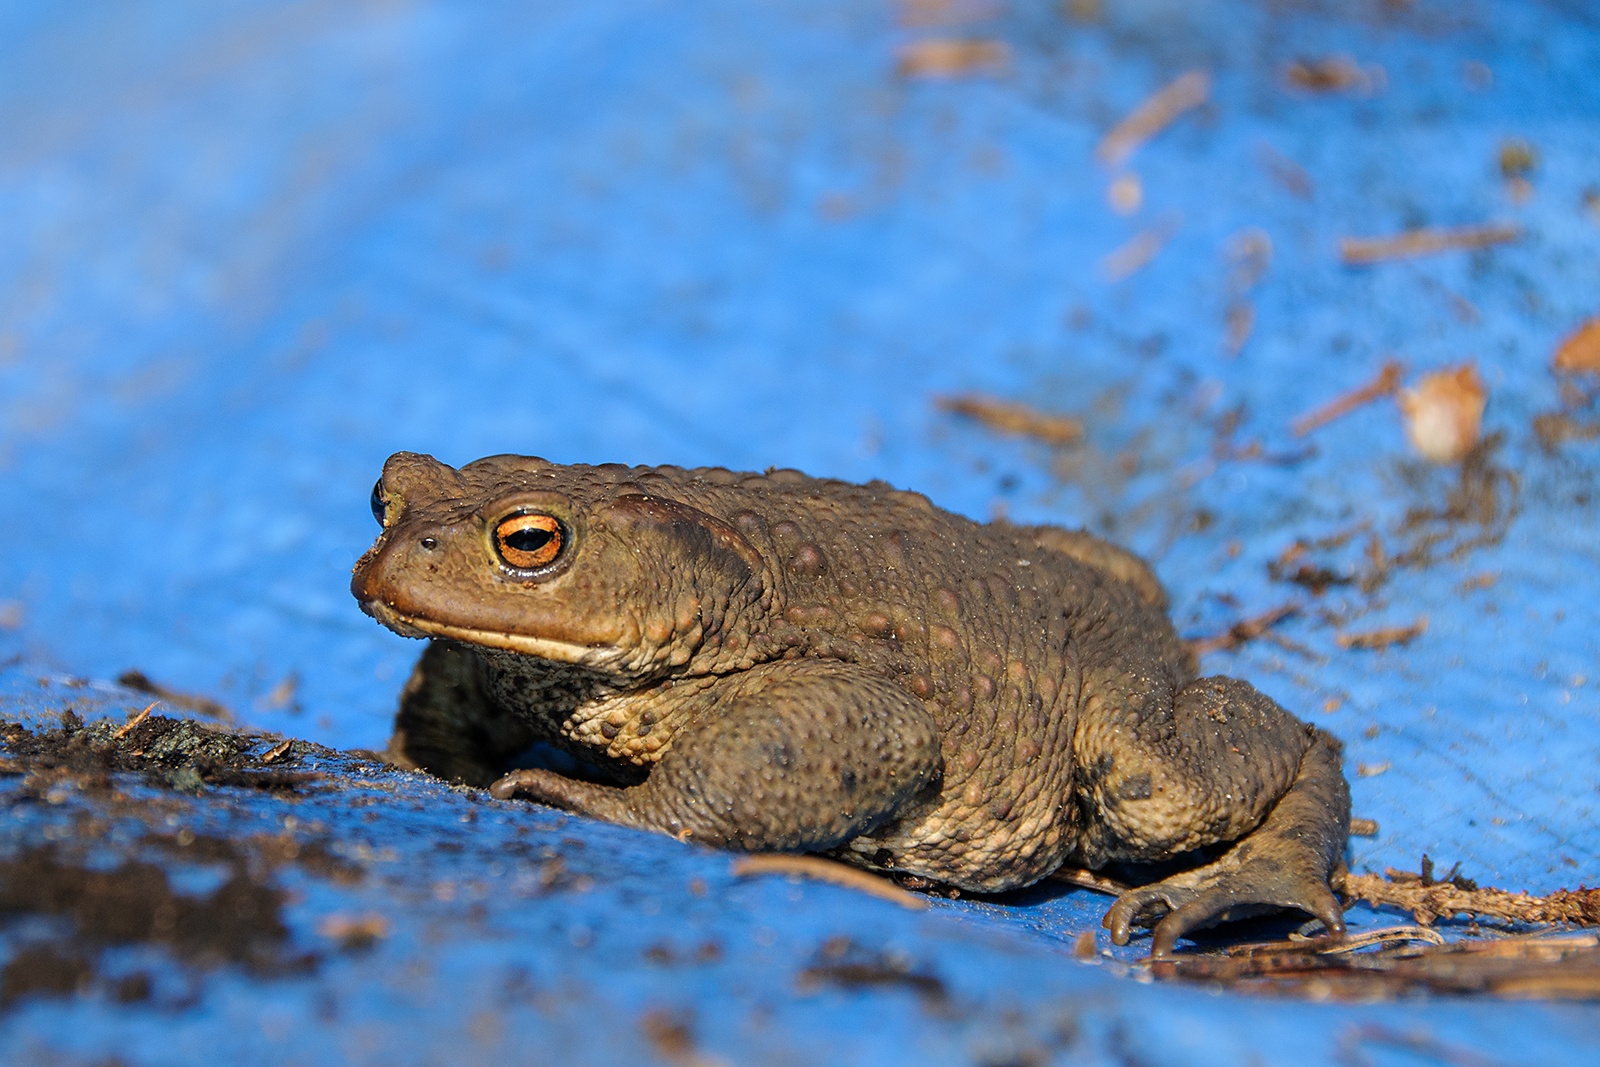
(252, 248)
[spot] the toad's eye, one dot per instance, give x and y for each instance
(380, 503)
(529, 541)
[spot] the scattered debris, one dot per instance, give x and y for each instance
(1374, 640)
(841, 962)
(1240, 322)
(1083, 10)
(826, 870)
(671, 1035)
(1556, 428)
(1291, 565)
(1387, 383)
(354, 933)
(1542, 966)
(1186, 92)
(240, 922)
(1579, 353)
(132, 724)
(1517, 161)
(1250, 255)
(1429, 899)
(277, 751)
(282, 695)
(1477, 511)
(205, 706)
(921, 14)
(1286, 172)
(1084, 878)
(1417, 1042)
(1425, 242)
(12, 613)
(169, 753)
(1136, 253)
(1125, 194)
(952, 58)
(1363, 827)
(1372, 770)
(1444, 413)
(1017, 419)
(1244, 631)
(1333, 74)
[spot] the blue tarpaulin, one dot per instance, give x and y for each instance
(250, 248)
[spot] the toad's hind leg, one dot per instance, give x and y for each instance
(446, 726)
(795, 756)
(1227, 764)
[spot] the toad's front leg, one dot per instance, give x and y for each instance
(1227, 764)
(794, 756)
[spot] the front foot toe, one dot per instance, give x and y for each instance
(1143, 907)
(1221, 893)
(570, 794)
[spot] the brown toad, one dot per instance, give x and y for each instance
(778, 662)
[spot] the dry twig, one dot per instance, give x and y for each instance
(1426, 242)
(1373, 640)
(1136, 253)
(1087, 879)
(825, 870)
(1244, 630)
(1009, 416)
(1385, 384)
(1188, 91)
(951, 58)
(128, 727)
(1428, 900)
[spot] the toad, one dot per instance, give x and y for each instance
(777, 662)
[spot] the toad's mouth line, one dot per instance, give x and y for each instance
(541, 647)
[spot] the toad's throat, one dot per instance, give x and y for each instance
(598, 656)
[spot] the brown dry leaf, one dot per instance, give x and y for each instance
(1362, 250)
(952, 58)
(1009, 416)
(1580, 352)
(1444, 413)
(1184, 93)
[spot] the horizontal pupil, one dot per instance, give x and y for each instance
(529, 539)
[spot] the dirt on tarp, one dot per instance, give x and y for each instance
(172, 753)
(93, 908)
(89, 906)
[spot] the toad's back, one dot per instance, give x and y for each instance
(1000, 630)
